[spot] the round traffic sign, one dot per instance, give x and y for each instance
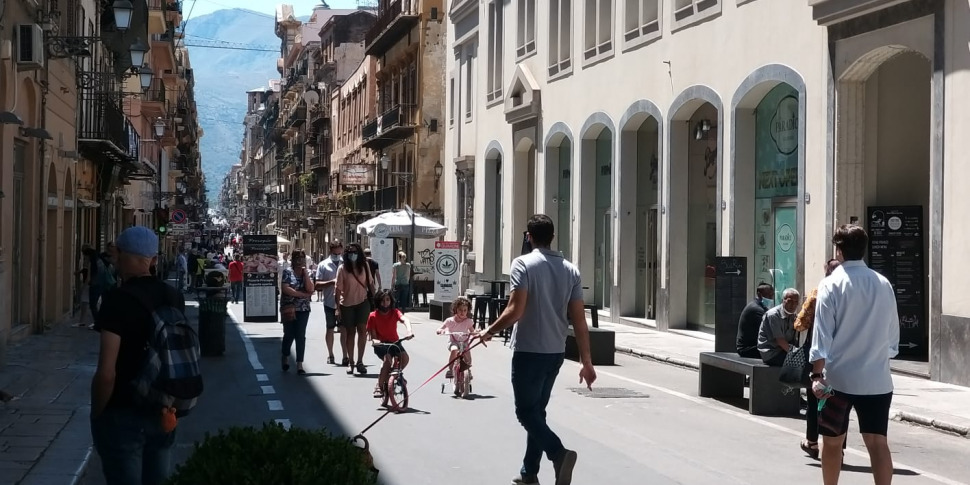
(178, 216)
(381, 230)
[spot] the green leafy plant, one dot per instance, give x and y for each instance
(309, 182)
(272, 454)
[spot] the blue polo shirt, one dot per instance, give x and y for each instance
(551, 283)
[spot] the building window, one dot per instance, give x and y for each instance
(560, 37)
(451, 101)
(496, 31)
(642, 19)
(468, 87)
(526, 29)
(687, 12)
(599, 29)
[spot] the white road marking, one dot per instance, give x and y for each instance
(275, 405)
(268, 389)
(285, 422)
(262, 378)
(250, 349)
(753, 419)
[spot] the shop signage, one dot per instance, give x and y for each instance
(260, 277)
(357, 174)
(446, 270)
(776, 144)
(784, 125)
(896, 252)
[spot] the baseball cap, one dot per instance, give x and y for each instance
(139, 241)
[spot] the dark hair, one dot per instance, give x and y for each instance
(379, 297)
(830, 266)
(764, 287)
(361, 260)
(461, 300)
(541, 229)
(297, 254)
(852, 240)
(336, 243)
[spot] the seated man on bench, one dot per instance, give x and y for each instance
(750, 321)
(777, 336)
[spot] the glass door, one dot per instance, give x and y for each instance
(785, 261)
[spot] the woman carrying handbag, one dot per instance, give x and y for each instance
(355, 294)
(296, 290)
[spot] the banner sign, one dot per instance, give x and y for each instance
(357, 174)
(260, 276)
(446, 265)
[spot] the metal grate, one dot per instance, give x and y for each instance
(609, 393)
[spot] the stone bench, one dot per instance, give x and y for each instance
(602, 346)
(721, 375)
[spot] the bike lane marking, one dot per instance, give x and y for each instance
(267, 390)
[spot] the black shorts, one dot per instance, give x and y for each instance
(331, 315)
(871, 410)
(383, 349)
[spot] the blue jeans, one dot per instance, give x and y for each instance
(402, 295)
(533, 376)
(296, 330)
(133, 447)
(237, 291)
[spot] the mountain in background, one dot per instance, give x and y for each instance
(222, 77)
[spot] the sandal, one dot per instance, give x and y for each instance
(286, 363)
(378, 394)
(350, 370)
(345, 362)
(361, 369)
(810, 447)
(330, 360)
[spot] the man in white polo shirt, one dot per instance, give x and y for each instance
(856, 333)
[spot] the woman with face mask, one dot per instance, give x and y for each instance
(355, 287)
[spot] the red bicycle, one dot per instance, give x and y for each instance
(396, 389)
(460, 370)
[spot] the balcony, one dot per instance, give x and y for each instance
(375, 200)
(390, 127)
(318, 162)
(392, 24)
(105, 135)
(297, 116)
(153, 101)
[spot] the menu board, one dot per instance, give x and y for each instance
(260, 276)
(730, 297)
(896, 252)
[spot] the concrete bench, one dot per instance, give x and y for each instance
(602, 346)
(439, 310)
(721, 375)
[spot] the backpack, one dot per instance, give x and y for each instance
(170, 376)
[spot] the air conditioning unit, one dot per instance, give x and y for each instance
(30, 46)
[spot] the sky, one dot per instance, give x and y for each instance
(268, 7)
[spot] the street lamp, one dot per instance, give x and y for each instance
(438, 170)
(145, 75)
(122, 10)
(159, 128)
(385, 161)
(138, 51)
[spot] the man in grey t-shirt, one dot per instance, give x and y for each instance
(777, 336)
(546, 293)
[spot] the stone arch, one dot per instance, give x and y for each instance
(493, 220)
(596, 186)
(559, 148)
(681, 302)
(51, 293)
(637, 198)
(594, 125)
(758, 85)
(558, 132)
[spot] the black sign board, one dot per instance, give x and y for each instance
(896, 252)
(260, 277)
(730, 297)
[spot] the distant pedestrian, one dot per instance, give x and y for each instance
(326, 283)
(181, 269)
(401, 276)
(296, 291)
(236, 279)
(133, 437)
(355, 289)
(777, 337)
(375, 268)
(856, 333)
(750, 321)
(545, 289)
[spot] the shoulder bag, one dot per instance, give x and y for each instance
(796, 369)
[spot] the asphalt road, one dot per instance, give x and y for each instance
(659, 433)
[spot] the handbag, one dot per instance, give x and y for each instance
(796, 370)
(287, 313)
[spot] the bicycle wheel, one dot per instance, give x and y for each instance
(466, 384)
(397, 392)
(456, 378)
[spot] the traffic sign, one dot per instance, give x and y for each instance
(178, 216)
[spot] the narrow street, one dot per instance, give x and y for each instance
(643, 423)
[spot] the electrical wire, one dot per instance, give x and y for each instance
(252, 49)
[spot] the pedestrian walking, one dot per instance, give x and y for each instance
(326, 283)
(856, 334)
(375, 269)
(401, 276)
(181, 269)
(804, 323)
(133, 433)
(236, 278)
(296, 291)
(545, 289)
(355, 289)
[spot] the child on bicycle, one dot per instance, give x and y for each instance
(382, 330)
(460, 323)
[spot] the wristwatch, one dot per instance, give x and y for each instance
(813, 376)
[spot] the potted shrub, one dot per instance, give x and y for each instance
(274, 455)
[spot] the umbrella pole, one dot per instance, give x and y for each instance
(411, 259)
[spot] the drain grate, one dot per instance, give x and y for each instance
(609, 393)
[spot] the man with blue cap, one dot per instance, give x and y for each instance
(133, 445)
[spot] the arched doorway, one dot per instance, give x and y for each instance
(523, 190)
(596, 207)
(638, 227)
(70, 245)
(767, 178)
(693, 208)
(883, 166)
(49, 293)
(24, 179)
(493, 258)
(559, 190)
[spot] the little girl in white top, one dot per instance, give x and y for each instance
(458, 323)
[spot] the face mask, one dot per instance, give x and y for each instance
(352, 258)
(335, 257)
(767, 302)
(384, 308)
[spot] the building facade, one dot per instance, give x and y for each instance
(662, 134)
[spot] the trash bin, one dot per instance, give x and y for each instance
(212, 320)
